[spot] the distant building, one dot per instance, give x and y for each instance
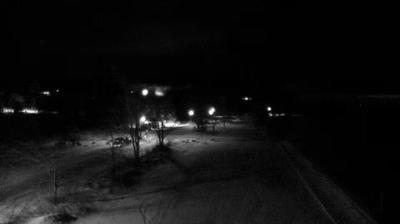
(27, 102)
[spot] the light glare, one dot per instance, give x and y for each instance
(191, 113)
(7, 110)
(211, 111)
(159, 92)
(145, 92)
(246, 98)
(30, 111)
(45, 93)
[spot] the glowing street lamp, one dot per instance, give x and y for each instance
(45, 93)
(211, 111)
(246, 98)
(145, 92)
(191, 113)
(142, 119)
(269, 109)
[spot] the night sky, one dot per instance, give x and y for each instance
(249, 43)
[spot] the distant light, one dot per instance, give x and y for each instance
(159, 92)
(45, 93)
(170, 124)
(191, 113)
(246, 98)
(269, 108)
(30, 111)
(57, 90)
(7, 110)
(131, 91)
(143, 119)
(145, 92)
(211, 111)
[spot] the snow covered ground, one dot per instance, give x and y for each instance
(232, 176)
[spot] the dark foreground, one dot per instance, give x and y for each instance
(356, 146)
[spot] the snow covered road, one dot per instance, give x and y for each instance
(233, 176)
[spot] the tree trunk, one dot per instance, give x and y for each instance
(133, 137)
(55, 186)
(137, 143)
(162, 134)
(113, 169)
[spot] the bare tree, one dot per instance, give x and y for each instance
(132, 106)
(161, 110)
(113, 122)
(127, 108)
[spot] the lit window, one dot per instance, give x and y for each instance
(7, 110)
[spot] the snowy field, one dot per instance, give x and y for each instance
(232, 176)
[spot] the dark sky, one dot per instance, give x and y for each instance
(249, 43)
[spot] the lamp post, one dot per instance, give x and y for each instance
(211, 112)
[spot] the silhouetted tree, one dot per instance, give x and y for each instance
(161, 110)
(132, 104)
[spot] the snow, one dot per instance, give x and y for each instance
(232, 176)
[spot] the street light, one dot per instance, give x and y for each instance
(145, 92)
(191, 113)
(45, 93)
(211, 111)
(246, 98)
(143, 119)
